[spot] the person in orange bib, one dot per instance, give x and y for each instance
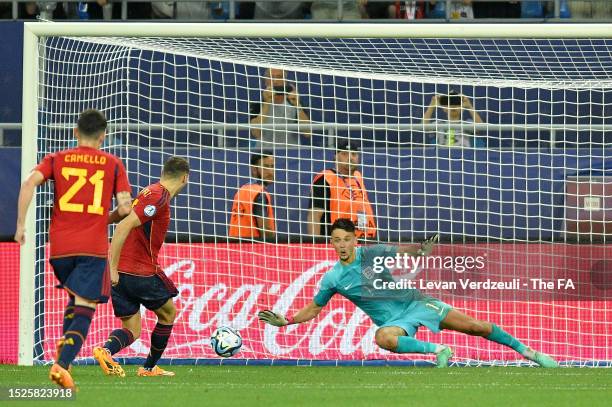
(340, 193)
(252, 214)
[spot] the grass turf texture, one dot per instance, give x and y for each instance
(339, 386)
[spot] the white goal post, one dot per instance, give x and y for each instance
(35, 33)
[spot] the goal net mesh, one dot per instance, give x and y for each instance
(521, 176)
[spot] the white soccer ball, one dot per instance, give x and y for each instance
(226, 341)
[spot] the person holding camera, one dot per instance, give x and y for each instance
(280, 104)
(453, 105)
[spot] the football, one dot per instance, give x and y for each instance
(226, 341)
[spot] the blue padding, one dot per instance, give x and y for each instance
(456, 192)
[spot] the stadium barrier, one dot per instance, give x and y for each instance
(212, 293)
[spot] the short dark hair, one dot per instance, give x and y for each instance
(175, 167)
(257, 157)
(91, 123)
(344, 224)
(346, 145)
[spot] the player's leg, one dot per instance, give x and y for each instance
(159, 340)
(117, 340)
(73, 339)
(460, 322)
(76, 332)
(400, 340)
(68, 317)
(126, 308)
(62, 268)
(68, 313)
(86, 278)
(395, 339)
(125, 336)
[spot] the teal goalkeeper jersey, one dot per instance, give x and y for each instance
(356, 282)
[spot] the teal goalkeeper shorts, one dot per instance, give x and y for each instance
(427, 312)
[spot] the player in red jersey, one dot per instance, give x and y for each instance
(136, 275)
(86, 179)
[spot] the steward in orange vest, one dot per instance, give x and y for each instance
(252, 212)
(341, 193)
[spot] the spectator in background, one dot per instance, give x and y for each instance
(453, 105)
(544, 9)
(459, 9)
(28, 11)
(408, 10)
(328, 10)
(492, 9)
(595, 9)
(182, 10)
(252, 214)
(44, 11)
(340, 193)
(280, 104)
(279, 10)
(96, 10)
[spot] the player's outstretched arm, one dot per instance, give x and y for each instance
(305, 314)
(423, 250)
(23, 203)
(121, 233)
(123, 209)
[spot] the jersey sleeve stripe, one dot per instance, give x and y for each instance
(163, 199)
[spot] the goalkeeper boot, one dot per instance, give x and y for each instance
(155, 371)
(107, 364)
(541, 359)
(61, 377)
(443, 356)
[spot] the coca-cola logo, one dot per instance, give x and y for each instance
(204, 304)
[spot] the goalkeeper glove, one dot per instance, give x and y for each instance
(427, 245)
(272, 318)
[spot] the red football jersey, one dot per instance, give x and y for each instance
(140, 250)
(85, 181)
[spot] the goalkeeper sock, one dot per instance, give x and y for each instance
(408, 344)
(119, 339)
(159, 340)
(68, 314)
(504, 338)
(75, 335)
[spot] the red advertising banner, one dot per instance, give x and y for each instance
(226, 284)
(9, 302)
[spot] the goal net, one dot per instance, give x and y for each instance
(510, 164)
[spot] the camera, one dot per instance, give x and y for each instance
(450, 100)
(279, 90)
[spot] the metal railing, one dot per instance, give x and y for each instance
(330, 130)
(49, 6)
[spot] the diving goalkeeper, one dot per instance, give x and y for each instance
(399, 314)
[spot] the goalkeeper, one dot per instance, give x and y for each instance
(398, 314)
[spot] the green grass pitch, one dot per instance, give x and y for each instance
(323, 386)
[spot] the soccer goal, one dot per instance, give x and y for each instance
(497, 137)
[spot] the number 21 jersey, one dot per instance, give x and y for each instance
(85, 181)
